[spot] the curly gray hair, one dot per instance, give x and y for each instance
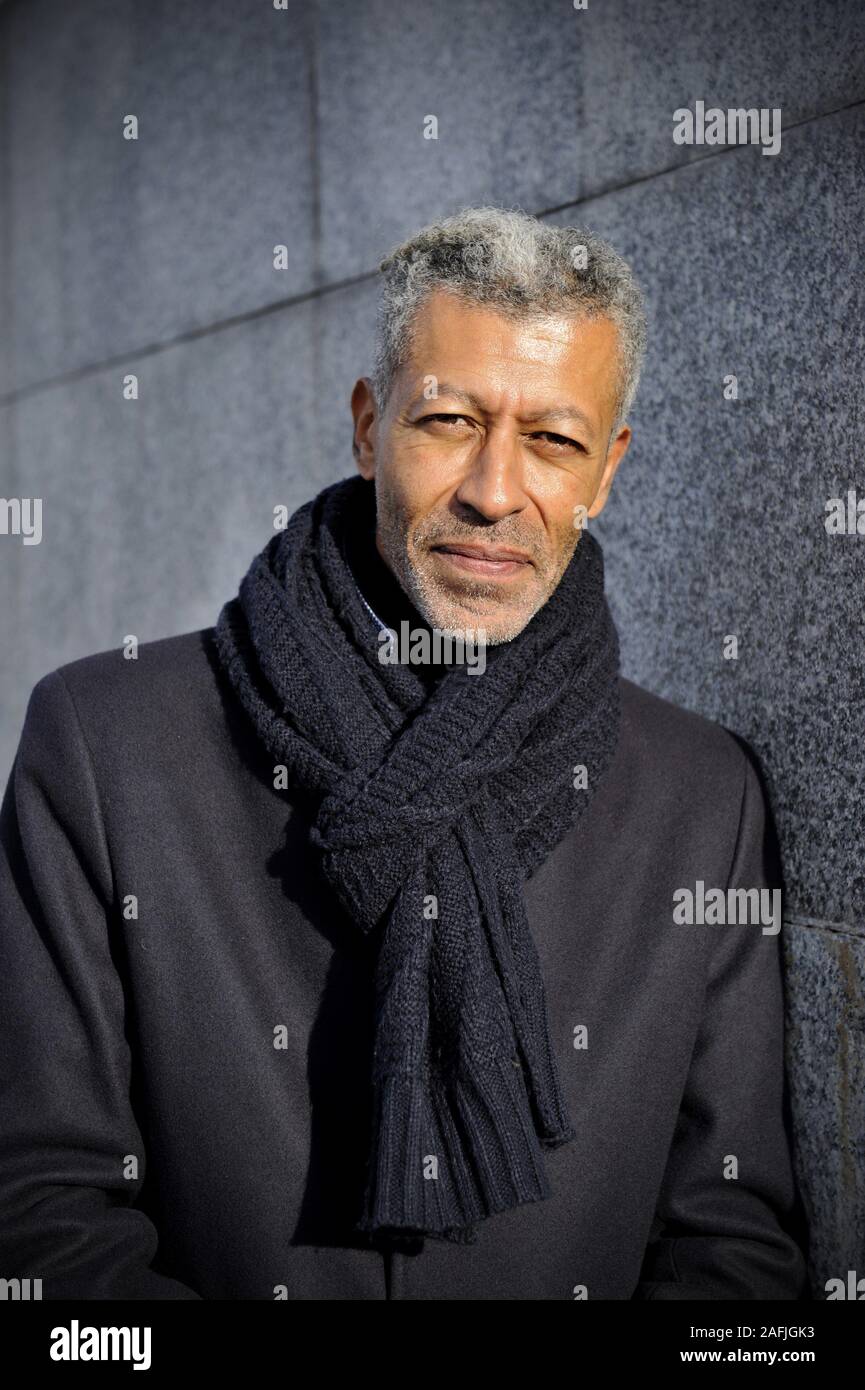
(519, 266)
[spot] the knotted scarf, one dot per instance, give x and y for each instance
(430, 807)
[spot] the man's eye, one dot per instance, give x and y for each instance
(559, 439)
(447, 418)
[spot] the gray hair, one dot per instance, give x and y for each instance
(521, 267)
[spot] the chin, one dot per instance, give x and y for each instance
(497, 624)
(505, 632)
(448, 610)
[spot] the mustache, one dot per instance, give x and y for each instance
(451, 532)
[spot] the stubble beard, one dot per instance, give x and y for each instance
(478, 604)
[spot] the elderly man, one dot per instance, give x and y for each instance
(336, 966)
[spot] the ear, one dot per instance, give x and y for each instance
(363, 410)
(615, 454)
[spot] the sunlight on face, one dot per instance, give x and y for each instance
(495, 436)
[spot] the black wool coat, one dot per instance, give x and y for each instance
(186, 1021)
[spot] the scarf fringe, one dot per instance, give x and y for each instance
(478, 1127)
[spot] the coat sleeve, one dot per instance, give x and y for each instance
(718, 1237)
(67, 1128)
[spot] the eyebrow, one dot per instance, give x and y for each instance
(553, 412)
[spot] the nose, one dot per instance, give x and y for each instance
(493, 482)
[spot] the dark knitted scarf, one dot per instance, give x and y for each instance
(430, 807)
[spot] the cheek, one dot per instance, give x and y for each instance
(419, 480)
(559, 494)
(402, 502)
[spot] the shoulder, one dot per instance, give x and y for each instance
(167, 663)
(690, 788)
(112, 691)
(686, 757)
(662, 728)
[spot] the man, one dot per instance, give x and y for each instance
(343, 962)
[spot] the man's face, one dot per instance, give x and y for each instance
(479, 485)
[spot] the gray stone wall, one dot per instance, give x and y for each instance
(303, 126)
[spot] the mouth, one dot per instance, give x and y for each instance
(488, 561)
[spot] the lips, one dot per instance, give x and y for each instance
(492, 561)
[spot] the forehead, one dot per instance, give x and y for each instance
(478, 346)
